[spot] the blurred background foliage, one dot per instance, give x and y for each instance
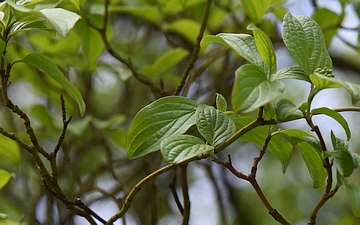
(158, 37)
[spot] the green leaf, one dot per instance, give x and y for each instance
(336, 116)
(286, 110)
(256, 9)
(179, 148)
(3, 216)
(62, 20)
(292, 72)
(328, 21)
(29, 25)
(191, 31)
(76, 3)
(252, 89)
(10, 149)
(213, 124)
(169, 60)
(264, 47)
(148, 12)
(356, 160)
(5, 177)
(44, 117)
(163, 118)
(311, 152)
(277, 146)
(47, 66)
(305, 42)
(242, 44)
(353, 194)
(344, 160)
(323, 82)
(165, 62)
(91, 42)
(17, 7)
(221, 103)
(342, 155)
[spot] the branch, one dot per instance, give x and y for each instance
(172, 187)
(140, 184)
(5, 75)
(65, 124)
(196, 49)
(185, 190)
(328, 166)
(102, 31)
(252, 179)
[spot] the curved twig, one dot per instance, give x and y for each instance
(196, 49)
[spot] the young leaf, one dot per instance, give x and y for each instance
(47, 66)
(336, 116)
(356, 160)
(322, 82)
(213, 124)
(344, 159)
(295, 40)
(91, 42)
(292, 72)
(179, 148)
(5, 176)
(164, 117)
(169, 60)
(242, 44)
(264, 47)
(342, 155)
(314, 163)
(252, 89)
(10, 149)
(286, 110)
(29, 25)
(277, 146)
(3, 216)
(165, 62)
(61, 19)
(304, 39)
(221, 103)
(353, 194)
(191, 31)
(256, 9)
(148, 12)
(311, 152)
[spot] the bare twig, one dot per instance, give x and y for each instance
(172, 187)
(127, 61)
(196, 49)
(65, 124)
(139, 185)
(185, 191)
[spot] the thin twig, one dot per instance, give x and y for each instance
(140, 184)
(65, 124)
(172, 187)
(127, 61)
(186, 197)
(196, 49)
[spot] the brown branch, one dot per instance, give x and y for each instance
(196, 49)
(252, 176)
(65, 124)
(172, 187)
(185, 191)
(5, 75)
(127, 203)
